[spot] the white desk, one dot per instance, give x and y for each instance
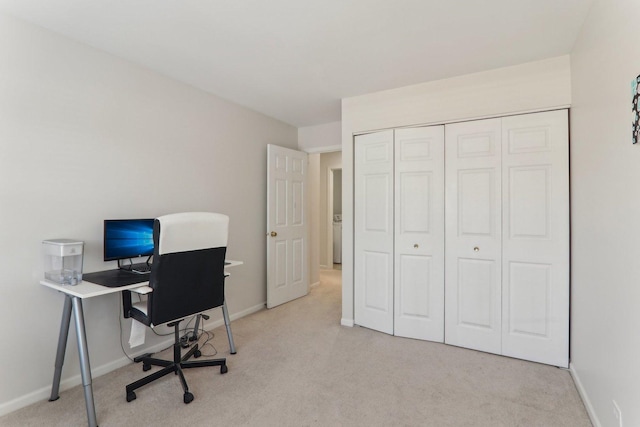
(73, 302)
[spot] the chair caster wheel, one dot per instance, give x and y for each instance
(188, 397)
(131, 396)
(146, 367)
(197, 354)
(224, 369)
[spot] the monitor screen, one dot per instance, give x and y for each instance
(127, 238)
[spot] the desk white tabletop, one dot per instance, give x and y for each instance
(231, 263)
(88, 290)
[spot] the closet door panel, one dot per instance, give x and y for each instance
(476, 294)
(373, 231)
(536, 237)
(419, 233)
(473, 258)
(476, 202)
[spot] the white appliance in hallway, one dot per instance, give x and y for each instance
(337, 239)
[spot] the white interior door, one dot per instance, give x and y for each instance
(419, 233)
(287, 225)
(473, 234)
(373, 231)
(535, 212)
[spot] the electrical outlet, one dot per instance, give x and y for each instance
(617, 414)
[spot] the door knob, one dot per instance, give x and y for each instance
(274, 234)
(476, 249)
(415, 245)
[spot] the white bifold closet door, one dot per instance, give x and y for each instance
(399, 232)
(507, 233)
(535, 237)
(373, 231)
(473, 234)
(419, 233)
(461, 234)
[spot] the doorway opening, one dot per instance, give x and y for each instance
(328, 210)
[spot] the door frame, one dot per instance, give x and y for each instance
(329, 224)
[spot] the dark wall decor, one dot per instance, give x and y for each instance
(635, 100)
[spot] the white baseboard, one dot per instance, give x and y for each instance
(314, 284)
(347, 322)
(217, 323)
(45, 392)
(27, 399)
(585, 398)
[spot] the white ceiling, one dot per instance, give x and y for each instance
(295, 59)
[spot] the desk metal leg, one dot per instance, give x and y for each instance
(62, 347)
(83, 353)
(227, 323)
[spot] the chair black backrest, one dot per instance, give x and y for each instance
(187, 275)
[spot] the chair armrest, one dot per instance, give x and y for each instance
(127, 305)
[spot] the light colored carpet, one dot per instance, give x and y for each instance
(296, 366)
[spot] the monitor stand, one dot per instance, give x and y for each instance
(140, 268)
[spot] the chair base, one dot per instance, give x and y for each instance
(176, 366)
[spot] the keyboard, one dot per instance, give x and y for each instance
(115, 278)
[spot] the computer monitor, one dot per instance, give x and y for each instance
(127, 239)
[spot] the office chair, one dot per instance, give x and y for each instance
(187, 278)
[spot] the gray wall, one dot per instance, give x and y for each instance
(86, 136)
(314, 221)
(605, 207)
(337, 191)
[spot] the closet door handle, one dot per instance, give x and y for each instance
(476, 249)
(415, 245)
